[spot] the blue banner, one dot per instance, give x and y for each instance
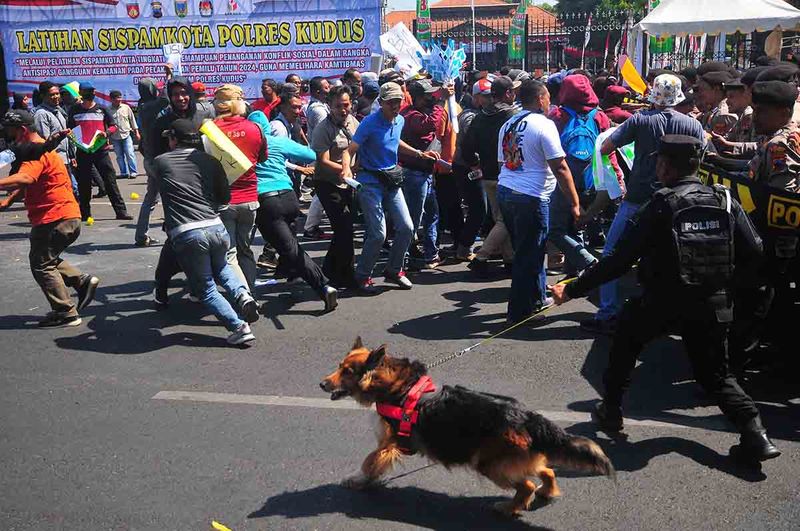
(114, 43)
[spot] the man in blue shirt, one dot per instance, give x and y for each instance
(380, 179)
(646, 129)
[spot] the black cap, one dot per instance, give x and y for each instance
(503, 84)
(115, 94)
(419, 87)
(17, 117)
(776, 93)
(782, 72)
(689, 72)
(717, 77)
(680, 146)
(748, 78)
(711, 66)
(183, 130)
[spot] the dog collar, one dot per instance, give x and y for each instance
(407, 414)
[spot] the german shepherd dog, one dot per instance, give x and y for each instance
(456, 426)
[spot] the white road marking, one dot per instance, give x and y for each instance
(572, 417)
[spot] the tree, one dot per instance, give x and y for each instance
(550, 8)
(587, 6)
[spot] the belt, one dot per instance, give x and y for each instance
(274, 193)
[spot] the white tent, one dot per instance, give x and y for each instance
(696, 17)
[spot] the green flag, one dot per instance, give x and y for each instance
(423, 23)
(661, 44)
(516, 36)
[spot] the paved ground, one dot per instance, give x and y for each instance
(87, 445)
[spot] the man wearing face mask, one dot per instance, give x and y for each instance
(422, 120)
(54, 215)
(93, 118)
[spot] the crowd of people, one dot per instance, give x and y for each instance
(518, 173)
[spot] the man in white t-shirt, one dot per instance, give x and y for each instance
(532, 162)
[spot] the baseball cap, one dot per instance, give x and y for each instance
(17, 117)
(85, 85)
(419, 87)
(199, 87)
(482, 86)
(503, 84)
(182, 129)
(390, 75)
(391, 91)
(115, 94)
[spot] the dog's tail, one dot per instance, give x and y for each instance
(572, 452)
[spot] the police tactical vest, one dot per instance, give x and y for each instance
(702, 233)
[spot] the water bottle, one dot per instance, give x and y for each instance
(7, 157)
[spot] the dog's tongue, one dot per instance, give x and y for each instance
(339, 393)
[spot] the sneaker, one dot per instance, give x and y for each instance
(537, 315)
(160, 297)
(194, 299)
(329, 295)
(267, 261)
(124, 216)
(248, 307)
(241, 335)
(479, 267)
(399, 278)
(366, 286)
(57, 320)
(99, 195)
(608, 417)
(464, 254)
(433, 264)
(605, 327)
(147, 242)
(86, 290)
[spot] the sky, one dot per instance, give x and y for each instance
(395, 5)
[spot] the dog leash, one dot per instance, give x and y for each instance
(461, 352)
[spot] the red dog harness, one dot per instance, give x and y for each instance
(407, 414)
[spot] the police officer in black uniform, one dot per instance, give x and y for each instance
(688, 239)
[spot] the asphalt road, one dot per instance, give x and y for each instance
(86, 446)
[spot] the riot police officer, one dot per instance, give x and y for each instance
(689, 239)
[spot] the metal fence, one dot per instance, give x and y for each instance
(559, 42)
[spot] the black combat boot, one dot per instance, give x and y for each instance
(608, 416)
(754, 445)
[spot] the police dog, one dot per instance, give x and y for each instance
(456, 426)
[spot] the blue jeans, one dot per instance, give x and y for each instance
(610, 304)
(148, 203)
(201, 253)
(374, 197)
(424, 208)
(564, 235)
(526, 219)
(126, 158)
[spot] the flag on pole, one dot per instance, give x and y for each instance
(423, 23)
(586, 38)
(631, 75)
(516, 35)
(72, 88)
(605, 54)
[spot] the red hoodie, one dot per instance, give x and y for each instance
(577, 94)
(247, 136)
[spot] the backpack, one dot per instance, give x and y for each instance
(702, 236)
(578, 140)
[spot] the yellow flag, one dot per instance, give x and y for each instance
(632, 77)
(218, 145)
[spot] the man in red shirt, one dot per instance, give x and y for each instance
(239, 216)
(56, 219)
(269, 100)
